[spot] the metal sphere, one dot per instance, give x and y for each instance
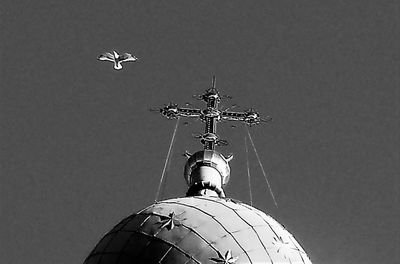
(209, 158)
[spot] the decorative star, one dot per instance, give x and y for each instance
(227, 259)
(170, 221)
(283, 246)
(116, 58)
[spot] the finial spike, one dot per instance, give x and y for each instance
(213, 81)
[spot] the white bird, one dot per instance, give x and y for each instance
(116, 58)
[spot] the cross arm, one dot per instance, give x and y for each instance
(233, 116)
(249, 117)
(172, 111)
(189, 112)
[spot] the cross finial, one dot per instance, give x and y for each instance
(211, 115)
(207, 171)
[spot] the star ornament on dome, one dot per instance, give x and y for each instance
(227, 259)
(283, 246)
(170, 221)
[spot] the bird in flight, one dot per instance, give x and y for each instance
(116, 58)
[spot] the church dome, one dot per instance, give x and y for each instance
(204, 227)
(198, 229)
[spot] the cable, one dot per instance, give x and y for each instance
(248, 170)
(262, 168)
(167, 159)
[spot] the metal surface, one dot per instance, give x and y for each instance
(197, 169)
(210, 158)
(211, 115)
(198, 230)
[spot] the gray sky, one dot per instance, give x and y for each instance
(80, 151)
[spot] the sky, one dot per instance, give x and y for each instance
(80, 150)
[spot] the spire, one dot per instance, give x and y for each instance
(208, 169)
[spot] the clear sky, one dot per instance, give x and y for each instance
(80, 150)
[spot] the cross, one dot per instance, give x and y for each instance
(211, 115)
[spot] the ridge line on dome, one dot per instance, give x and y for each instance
(105, 248)
(134, 231)
(280, 225)
(181, 224)
(130, 237)
(194, 231)
(165, 254)
(167, 242)
(251, 208)
(298, 249)
(252, 228)
(112, 231)
(223, 227)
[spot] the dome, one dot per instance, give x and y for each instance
(198, 229)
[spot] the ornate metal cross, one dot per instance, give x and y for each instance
(212, 115)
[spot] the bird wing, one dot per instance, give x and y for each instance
(127, 57)
(106, 57)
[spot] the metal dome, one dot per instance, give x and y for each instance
(198, 229)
